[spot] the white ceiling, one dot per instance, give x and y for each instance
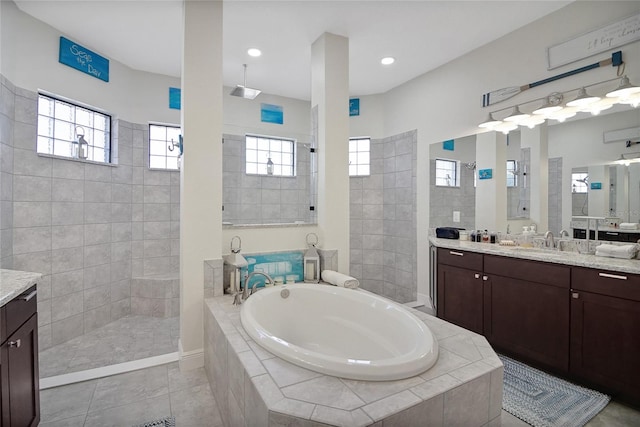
(422, 35)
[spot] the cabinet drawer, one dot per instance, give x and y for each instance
(17, 311)
(611, 283)
(456, 258)
(533, 271)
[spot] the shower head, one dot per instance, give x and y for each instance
(243, 91)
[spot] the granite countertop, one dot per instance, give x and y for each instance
(545, 255)
(13, 283)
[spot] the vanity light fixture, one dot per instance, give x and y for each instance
(516, 116)
(490, 123)
(551, 104)
(628, 158)
(624, 89)
(583, 99)
(552, 107)
(387, 60)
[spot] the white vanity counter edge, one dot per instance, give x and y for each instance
(552, 256)
(14, 282)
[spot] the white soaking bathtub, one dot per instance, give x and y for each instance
(341, 332)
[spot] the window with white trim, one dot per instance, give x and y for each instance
(69, 130)
(164, 147)
(512, 173)
(359, 156)
(447, 173)
(266, 155)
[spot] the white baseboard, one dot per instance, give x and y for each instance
(190, 359)
(106, 371)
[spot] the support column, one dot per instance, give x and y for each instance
(330, 93)
(201, 171)
(491, 194)
(538, 174)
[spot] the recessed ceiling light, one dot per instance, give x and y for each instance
(388, 60)
(254, 52)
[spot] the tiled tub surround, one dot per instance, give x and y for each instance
(88, 228)
(254, 388)
(382, 209)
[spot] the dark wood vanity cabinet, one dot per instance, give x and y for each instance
(582, 323)
(605, 330)
(19, 380)
(526, 306)
(460, 288)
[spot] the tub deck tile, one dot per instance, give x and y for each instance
(393, 404)
(324, 390)
(435, 386)
(370, 391)
(285, 374)
(340, 417)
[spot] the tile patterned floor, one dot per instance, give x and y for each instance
(126, 339)
(148, 394)
(133, 398)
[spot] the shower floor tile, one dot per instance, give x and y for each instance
(124, 340)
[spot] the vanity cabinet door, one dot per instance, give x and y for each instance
(460, 297)
(605, 342)
(527, 310)
(19, 376)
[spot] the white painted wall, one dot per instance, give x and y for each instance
(447, 102)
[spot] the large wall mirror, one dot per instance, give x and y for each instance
(577, 155)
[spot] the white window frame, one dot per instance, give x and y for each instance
(453, 167)
(52, 140)
(281, 151)
(360, 156)
(512, 176)
(579, 187)
(161, 157)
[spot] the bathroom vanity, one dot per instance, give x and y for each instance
(575, 315)
(19, 383)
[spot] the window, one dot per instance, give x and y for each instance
(579, 182)
(359, 149)
(60, 125)
(447, 173)
(269, 156)
(163, 146)
(512, 173)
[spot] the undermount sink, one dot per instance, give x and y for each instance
(547, 252)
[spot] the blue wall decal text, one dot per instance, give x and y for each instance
(82, 59)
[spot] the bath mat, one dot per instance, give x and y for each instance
(543, 400)
(164, 422)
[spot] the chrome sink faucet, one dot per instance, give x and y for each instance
(549, 241)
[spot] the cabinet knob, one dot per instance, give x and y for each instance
(485, 278)
(477, 275)
(575, 295)
(15, 344)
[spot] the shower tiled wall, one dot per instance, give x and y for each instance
(383, 219)
(253, 199)
(87, 227)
